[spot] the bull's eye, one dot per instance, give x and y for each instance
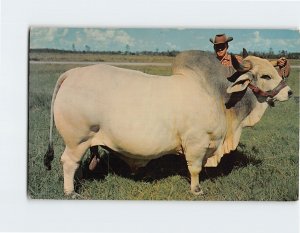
(267, 77)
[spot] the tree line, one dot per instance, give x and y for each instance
(270, 54)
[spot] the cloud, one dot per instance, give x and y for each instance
(65, 32)
(46, 37)
(40, 36)
(94, 35)
(46, 34)
(95, 38)
(259, 41)
(171, 45)
(255, 41)
(166, 39)
(123, 37)
(105, 38)
(256, 36)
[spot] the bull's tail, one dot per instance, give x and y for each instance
(49, 156)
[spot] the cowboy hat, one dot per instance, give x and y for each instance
(221, 39)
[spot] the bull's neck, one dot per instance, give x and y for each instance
(255, 115)
(246, 114)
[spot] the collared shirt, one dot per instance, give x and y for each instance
(226, 61)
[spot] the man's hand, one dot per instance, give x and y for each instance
(281, 62)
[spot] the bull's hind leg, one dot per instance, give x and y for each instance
(70, 160)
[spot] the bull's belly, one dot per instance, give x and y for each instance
(138, 146)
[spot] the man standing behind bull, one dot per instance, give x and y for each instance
(221, 47)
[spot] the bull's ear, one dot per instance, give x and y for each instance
(241, 83)
(245, 66)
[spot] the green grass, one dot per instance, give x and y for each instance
(295, 62)
(264, 167)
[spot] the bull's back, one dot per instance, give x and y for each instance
(108, 89)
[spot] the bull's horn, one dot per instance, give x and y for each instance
(245, 53)
(242, 67)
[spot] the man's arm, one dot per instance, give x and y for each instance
(284, 67)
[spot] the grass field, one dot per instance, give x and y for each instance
(97, 57)
(264, 166)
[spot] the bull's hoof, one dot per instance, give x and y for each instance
(197, 190)
(73, 195)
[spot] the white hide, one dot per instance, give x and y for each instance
(146, 116)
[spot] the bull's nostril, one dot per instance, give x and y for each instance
(290, 93)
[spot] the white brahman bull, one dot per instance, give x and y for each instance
(196, 112)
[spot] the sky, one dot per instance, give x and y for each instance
(162, 39)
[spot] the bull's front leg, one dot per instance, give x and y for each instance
(195, 168)
(194, 157)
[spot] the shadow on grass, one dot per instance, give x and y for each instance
(168, 165)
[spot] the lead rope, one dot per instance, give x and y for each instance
(283, 69)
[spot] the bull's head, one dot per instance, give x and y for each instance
(259, 75)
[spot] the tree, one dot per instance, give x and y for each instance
(283, 53)
(87, 48)
(127, 48)
(271, 52)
